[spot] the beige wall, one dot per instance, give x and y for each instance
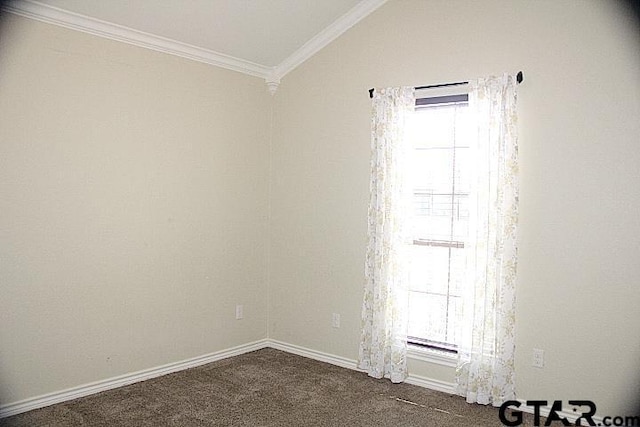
(133, 208)
(134, 194)
(579, 281)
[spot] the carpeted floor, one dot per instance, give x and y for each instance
(263, 388)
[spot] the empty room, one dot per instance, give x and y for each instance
(319, 212)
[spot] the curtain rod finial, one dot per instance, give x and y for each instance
(519, 77)
(371, 92)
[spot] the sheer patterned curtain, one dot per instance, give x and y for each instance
(485, 371)
(383, 344)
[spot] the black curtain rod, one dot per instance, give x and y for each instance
(519, 79)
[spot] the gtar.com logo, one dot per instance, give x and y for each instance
(584, 411)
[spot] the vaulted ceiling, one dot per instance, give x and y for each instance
(265, 38)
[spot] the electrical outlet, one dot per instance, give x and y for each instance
(239, 312)
(538, 358)
(335, 320)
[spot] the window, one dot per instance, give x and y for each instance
(440, 183)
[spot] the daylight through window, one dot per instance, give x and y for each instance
(440, 137)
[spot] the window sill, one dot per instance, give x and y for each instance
(429, 355)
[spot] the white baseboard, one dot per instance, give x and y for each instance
(352, 364)
(313, 354)
(431, 383)
(122, 380)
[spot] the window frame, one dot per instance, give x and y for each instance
(423, 348)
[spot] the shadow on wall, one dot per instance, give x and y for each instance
(633, 9)
(3, 16)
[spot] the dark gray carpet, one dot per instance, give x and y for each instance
(263, 388)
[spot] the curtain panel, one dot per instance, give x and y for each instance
(485, 370)
(383, 345)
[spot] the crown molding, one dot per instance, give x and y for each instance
(326, 36)
(53, 15)
(272, 75)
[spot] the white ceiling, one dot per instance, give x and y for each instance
(267, 37)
